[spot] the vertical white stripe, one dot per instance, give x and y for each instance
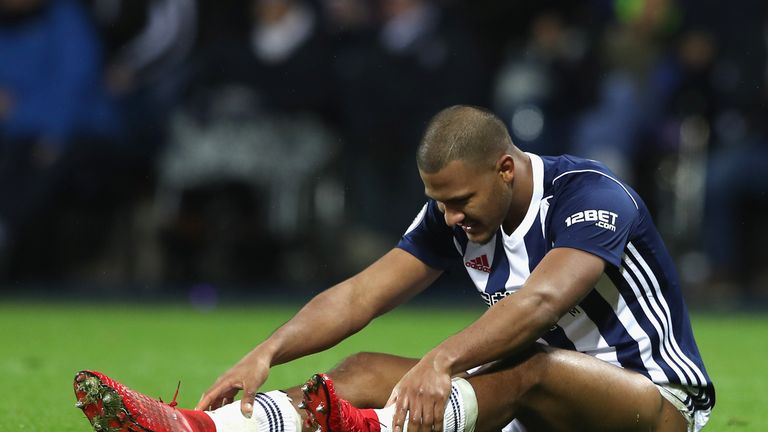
(625, 272)
(517, 255)
(543, 210)
(607, 356)
(537, 166)
(583, 332)
(610, 293)
(668, 316)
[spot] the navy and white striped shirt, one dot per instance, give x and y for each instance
(635, 318)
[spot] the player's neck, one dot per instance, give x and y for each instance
(522, 193)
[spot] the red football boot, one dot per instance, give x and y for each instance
(326, 412)
(112, 407)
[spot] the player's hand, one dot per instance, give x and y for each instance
(247, 375)
(421, 395)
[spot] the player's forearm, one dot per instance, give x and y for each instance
(325, 321)
(495, 335)
(562, 279)
(344, 309)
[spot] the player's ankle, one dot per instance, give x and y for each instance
(200, 421)
(327, 412)
(460, 412)
(272, 412)
(358, 419)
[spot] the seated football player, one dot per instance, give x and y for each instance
(556, 350)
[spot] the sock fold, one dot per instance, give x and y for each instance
(272, 412)
(463, 402)
(460, 412)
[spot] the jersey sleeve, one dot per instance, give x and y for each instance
(593, 213)
(429, 239)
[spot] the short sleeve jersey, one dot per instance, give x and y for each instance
(635, 318)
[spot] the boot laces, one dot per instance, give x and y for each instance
(173, 403)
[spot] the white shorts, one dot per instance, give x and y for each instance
(676, 394)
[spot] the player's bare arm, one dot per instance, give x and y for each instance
(557, 284)
(329, 318)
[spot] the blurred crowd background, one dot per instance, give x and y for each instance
(200, 146)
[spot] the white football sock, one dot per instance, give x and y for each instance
(272, 412)
(460, 412)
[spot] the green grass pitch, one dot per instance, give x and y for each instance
(150, 348)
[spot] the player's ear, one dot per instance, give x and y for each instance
(505, 166)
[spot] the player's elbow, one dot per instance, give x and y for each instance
(355, 305)
(544, 313)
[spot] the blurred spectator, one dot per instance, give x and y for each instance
(251, 109)
(281, 63)
(56, 121)
(736, 187)
(253, 130)
(736, 205)
(222, 21)
(615, 129)
(148, 43)
(51, 59)
(682, 103)
(351, 27)
(547, 80)
(420, 58)
(708, 122)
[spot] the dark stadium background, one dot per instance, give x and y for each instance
(191, 149)
(178, 176)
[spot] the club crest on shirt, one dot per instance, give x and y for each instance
(602, 218)
(491, 299)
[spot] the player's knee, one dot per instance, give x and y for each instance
(536, 367)
(539, 366)
(362, 379)
(358, 371)
(356, 364)
(659, 410)
(521, 375)
(652, 411)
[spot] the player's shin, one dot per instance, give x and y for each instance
(272, 412)
(460, 412)
(327, 412)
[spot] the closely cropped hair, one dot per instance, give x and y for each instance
(465, 133)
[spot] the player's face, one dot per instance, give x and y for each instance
(472, 196)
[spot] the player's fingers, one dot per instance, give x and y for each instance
(401, 411)
(428, 417)
(392, 397)
(416, 421)
(206, 399)
(206, 402)
(246, 403)
(415, 416)
(220, 400)
(214, 397)
(437, 417)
